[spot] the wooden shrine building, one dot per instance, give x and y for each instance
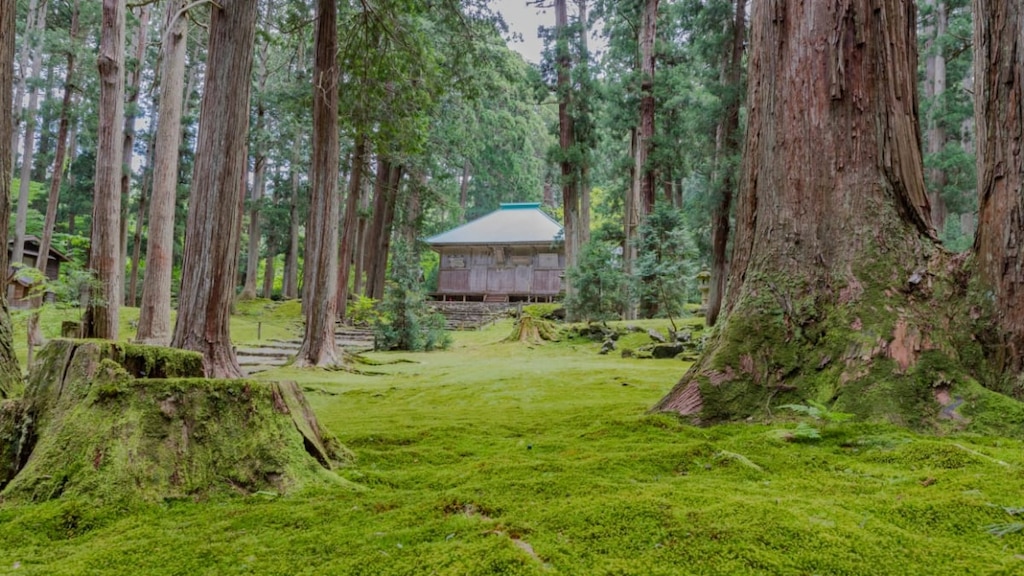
(22, 284)
(514, 254)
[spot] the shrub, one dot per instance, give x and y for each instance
(405, 322)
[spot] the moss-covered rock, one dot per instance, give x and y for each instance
(100, 431)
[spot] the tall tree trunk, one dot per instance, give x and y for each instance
(376, 226)
(10, 372)
(833, 238)
(33, 37)
(727, 146)
(379, 239)
(935, 136)
(214, 224)
(348, 237)
(140, 217)
(290, 284)
(999, 114)
(53, 198)
(645, 140)
(28, 145)
(40, 162)
(131, 112)
(260, 163)
(268, 267)
(320, 269)
(252, 261)
(155, 308)
(584, 190)
(362, 243)
(566, 138)
(105, 251)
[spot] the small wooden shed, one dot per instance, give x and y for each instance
(30, 258)
(514, 254)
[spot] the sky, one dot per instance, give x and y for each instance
(525, 20)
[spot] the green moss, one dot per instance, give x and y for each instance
(105, 435)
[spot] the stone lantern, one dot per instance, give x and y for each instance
(704, 285)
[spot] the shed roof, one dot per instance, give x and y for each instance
(514, 223)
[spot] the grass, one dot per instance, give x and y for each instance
(504, 458)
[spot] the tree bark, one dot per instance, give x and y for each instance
(101, 319)
(28, 144)
(566, 139)
(10, 372)
(727, 145)
(214, 223)
(999, 114)
(829, 278)
(355, 186)
(155, 308)
(645, 143)
(320, 270)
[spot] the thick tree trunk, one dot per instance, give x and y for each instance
(10, 373)
(28, 144)
(999, 113)
(214, 222)
(105, 252)
(727, 146)
(155, 308)
(132, 91)
(320, 270)
(355, 186)
(830, 292)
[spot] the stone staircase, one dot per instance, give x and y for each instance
(273, 353)
(471, 315)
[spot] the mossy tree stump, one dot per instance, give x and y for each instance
(532, 330)
(136, 423)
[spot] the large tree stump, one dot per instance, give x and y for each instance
(126, 422)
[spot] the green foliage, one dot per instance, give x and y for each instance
(546, 311)
(405, 322)
(599, 284)
(666, 264)
(362, 311)
(818, 411)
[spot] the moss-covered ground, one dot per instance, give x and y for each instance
(507, 458)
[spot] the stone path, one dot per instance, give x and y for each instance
(272, 353)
